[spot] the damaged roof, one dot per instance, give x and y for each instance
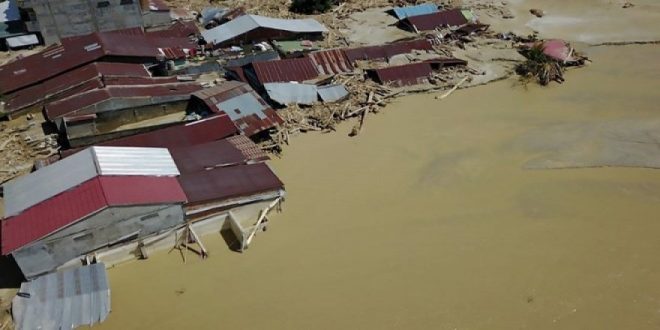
(77, 51)
(82, 79)
(331, 61)
(242, 104)
(292, 93)
(286, 70)
(386, 51)
(235, 150)
(402, 75)
(247, 23)
(108, 98)
(332, 93)
(408, 11)
(452, 17)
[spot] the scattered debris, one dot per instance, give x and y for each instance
(628, 4)
(537, 12)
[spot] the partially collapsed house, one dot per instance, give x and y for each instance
(412, 73)
(119, 110)
(417, 10)
(249, 112)
(384, 52)
(254, 28)
(92, 201)
(428, 22)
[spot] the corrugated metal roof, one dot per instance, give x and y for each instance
(331, 61)
(242, 104)
(425, 8)
(268, 55)
(228, 182)
(209, 129)
(292, 93)
(402, 75)
(64, 300)
(91, 196)
(34, 188)
(233, 151)
(86, 103)
(332, 93)
(82, 79)
(178, 29)
(9, 11)
(246, 23)
(452, 17)
(77, 51)
(287, 70)
(386, 51)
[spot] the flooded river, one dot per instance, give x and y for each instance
(430, 220)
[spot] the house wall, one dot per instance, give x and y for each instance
(156, 18)
(65, 18)
(111, 226)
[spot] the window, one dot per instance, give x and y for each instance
(126, 2)
(103, 4)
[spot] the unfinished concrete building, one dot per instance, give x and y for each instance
(57, 19)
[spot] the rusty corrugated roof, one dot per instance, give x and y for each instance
(76, 51)
(403, 75)
(75, 104)
(73, 82)
(386, 51)
(452, 17)
(236, 150)
(331, 61)
(293, 69)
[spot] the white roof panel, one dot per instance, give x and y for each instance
(29, 190)
(247, 23)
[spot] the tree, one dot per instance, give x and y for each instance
(310, 6)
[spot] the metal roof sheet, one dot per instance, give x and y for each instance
(228, 182)
(9, 11)
(49, 181)
(332, 93)
(205, 130)
(425, 8)
(268, 55)
(242, 104)
(246, 23)
(331, 61)
(89, 100)
(74, 52)
(401, 75)
(82, 201)
(64, 300)
(21, 41)
(76, 81)
(228, 152)
(386, 51)
(287, 70)
(292, 93)
(452, 17)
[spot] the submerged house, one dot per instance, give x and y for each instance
(249, 112)
(254, 28)
(95, 200)
(412, 73)
(428, 22)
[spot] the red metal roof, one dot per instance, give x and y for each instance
(401, 75)
(73, 82)
(252, 118)
(452, 17)
(293, 69)
(84, 200)
(76, 103)
(74, 52)
(216, 154)
(189, 134)
(228, 182)
(178, 29)
(332, 61)
(386, 51)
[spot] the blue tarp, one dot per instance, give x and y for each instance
(423, 9)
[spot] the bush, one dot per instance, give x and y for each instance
(310, 6)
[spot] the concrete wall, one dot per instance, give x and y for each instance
(66, 18)
(112, 226)
(156, 18)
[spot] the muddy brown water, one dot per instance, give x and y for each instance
(428, 219)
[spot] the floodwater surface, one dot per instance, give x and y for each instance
(430, 220)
